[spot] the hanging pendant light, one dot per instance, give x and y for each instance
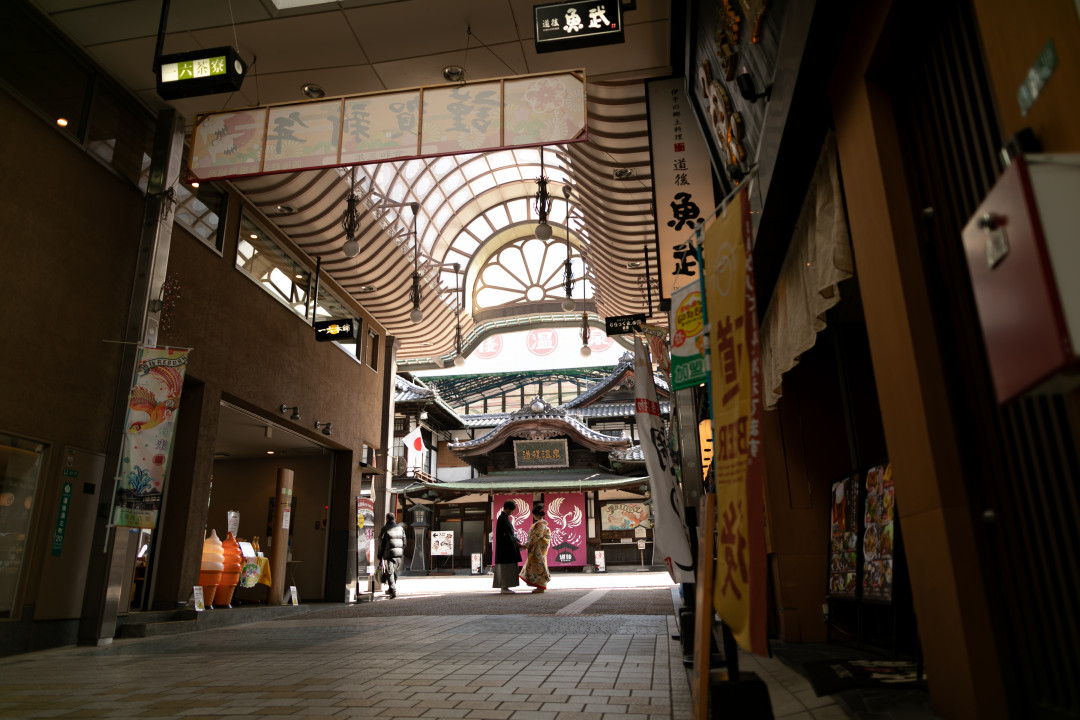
(586, 351)
(459, 359)
(350, 221)
(568, 271)
(543, 203)
(416, 294)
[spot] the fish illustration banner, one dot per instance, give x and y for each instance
(151, 417)
(521, 518)
(739, 593)
(671, 540)
(624, 516)
(565, 515)
(519, 111)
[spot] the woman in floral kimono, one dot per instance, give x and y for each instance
(535, 572)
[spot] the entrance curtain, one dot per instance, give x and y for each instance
(818, 258)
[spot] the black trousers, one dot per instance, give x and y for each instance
(392, 567)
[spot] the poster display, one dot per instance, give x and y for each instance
(442, 542)
(565, 515)
(843, 537)
(740, 591)
(365, 533)
(521, 518)
(624, 516)
(878, 534)
(151, 416)
(689, 368)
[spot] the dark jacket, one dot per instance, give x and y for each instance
(506, 546)
(392, 542)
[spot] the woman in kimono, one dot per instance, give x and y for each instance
(536, 567)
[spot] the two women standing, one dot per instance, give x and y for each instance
(507, 552)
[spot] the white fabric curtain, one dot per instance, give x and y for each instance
(818, 258)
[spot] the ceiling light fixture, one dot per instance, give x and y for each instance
(313, 91)
(195, 184)
(363, 289)
(454, 73)
(543, 202)
(295, 411)
(586, 351)
(325, 427)
(568, 271)
(285, 209)
(416, 294)
(622, 173)
(62, 122)
(459, 359)
(350, 221)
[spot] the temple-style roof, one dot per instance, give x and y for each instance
(623, 375)
(539, 419)
(415, 392)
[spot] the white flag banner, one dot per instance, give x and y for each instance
(671, 540)
(414, 450)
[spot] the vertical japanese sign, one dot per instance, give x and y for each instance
(61, 520)
(151, 417)
(682, 182)
(688, 364)
(565, 514)
(740, 592)
(670, 537)
(520, 518)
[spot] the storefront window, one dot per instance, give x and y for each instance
(20, 468)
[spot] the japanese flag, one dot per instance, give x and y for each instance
(414, 450)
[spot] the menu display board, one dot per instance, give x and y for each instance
(878, 534)
(843, 537)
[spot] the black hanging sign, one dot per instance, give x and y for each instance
(576, 24)
(623, 324)
(342, 330)
(199, 72)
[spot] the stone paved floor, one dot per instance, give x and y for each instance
(592, 648)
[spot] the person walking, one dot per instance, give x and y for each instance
(392, 551)
(507, 551)
(536, 568)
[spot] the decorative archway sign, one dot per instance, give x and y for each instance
(510, 112)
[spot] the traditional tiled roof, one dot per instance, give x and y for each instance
(545, 481)
(541, 411)
(410, 391)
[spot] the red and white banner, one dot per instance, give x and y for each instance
(565, 515)
(671, 540)
(414, 450)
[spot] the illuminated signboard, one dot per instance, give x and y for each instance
(342, 330)
(570, 25)
(199, 72)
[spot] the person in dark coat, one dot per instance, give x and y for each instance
(507, 551)
(392, 551)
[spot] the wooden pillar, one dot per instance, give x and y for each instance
(279, 545)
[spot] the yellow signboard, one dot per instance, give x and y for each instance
(740, 583)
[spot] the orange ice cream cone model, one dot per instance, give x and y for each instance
(230, 576)
(212, 566)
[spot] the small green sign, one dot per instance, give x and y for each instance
(68, 472)
(61, 519)
(1036, 77)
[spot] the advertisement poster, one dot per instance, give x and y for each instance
(878, 535)
(688, 365)
(365, 532)
(152, 406)
(843, 537)
(624, 516)
(442, 542)
(520, 518)
(565, 515)
(735, 380)
(671, 540)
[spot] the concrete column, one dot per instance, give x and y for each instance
(279, 545)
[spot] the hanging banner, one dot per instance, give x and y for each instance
(878, 534)
(152, 406)
(843, 537)
(520, 518)
(671, 540)
(735, 374)
(688, 365)
(682, 183)
(519, 111)
(565, 514)
(414, 450)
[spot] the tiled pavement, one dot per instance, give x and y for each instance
(426, 660)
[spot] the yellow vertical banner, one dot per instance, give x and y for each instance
(739, 593)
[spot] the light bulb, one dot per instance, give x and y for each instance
(351, 248)
(416, 315)
(586, 351)
(543, 231)
(568, 305)
(459, 361)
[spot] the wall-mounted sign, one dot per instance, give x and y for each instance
(688, 365)
(570, 25)
(61, 520)
(199, 72)
(623, 324)
(541, 453)
(624, 515)
(341, 330)
(521, 111)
